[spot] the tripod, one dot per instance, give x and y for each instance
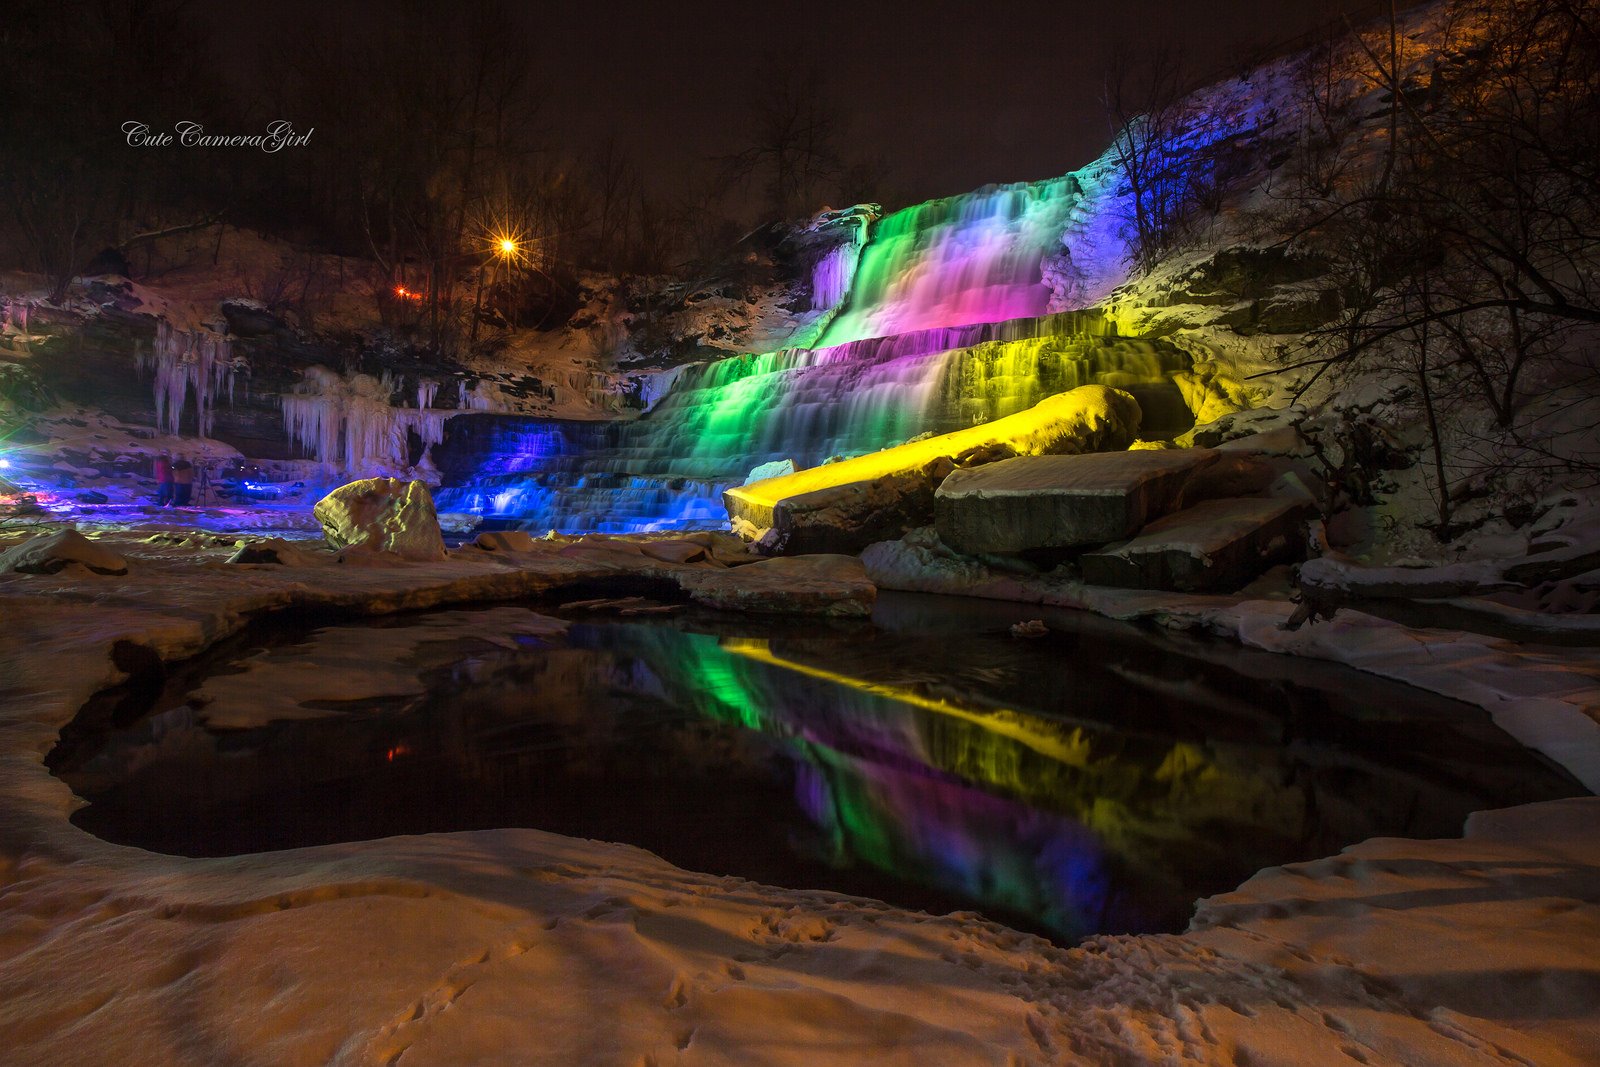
(202, 485)
(202, 488)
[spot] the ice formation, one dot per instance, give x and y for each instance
(830, 277)
(349, 423)
(185, 362)
(477, 396)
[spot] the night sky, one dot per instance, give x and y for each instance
(951, 95)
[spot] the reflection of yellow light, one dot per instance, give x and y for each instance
(508, 247)
(1072, 750)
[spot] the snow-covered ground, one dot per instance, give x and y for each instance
(516, 946)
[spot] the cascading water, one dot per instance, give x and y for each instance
(957, 261)
(944, 326)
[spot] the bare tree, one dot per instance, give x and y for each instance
(1161, 145)
(74, 73)
(1469, 251)
(791, 131)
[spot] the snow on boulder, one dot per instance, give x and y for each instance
(778, 468)
(383, 514)
(50, 553)
(272, 550)
(1214, 545)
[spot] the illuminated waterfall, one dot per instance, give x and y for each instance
(957, 261)
(944, 326)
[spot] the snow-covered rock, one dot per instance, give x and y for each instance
(778, 468)
(505, 541)
(1062, 501)
(788, 585)
(1217, 544)
(272, 550)
(383, 514)
(674, 551)
(50, 553)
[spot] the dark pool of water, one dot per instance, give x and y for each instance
(1096, 779)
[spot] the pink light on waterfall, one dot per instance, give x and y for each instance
(958, 261)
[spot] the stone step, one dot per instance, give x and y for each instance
(1063, 501)
(1215, 545)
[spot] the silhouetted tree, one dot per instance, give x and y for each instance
(1161, 146)
(791, 131)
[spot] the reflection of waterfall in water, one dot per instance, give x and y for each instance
(943, 326)
(1086, 781)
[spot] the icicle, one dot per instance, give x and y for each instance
(478, 397)
(349, 424)
(187, 362)
(830, 278)
(426, 391)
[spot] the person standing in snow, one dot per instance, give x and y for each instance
(183, 483)
(164, 483)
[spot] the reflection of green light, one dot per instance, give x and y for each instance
(889, 762)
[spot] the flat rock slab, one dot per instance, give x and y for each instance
(786, 585)
(1062, 501)
(1215, 545)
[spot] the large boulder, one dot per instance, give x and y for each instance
(847, 518)
(1062, 501)
(1215, 545)
(842, 507)
(383, 514)
(53, 552)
